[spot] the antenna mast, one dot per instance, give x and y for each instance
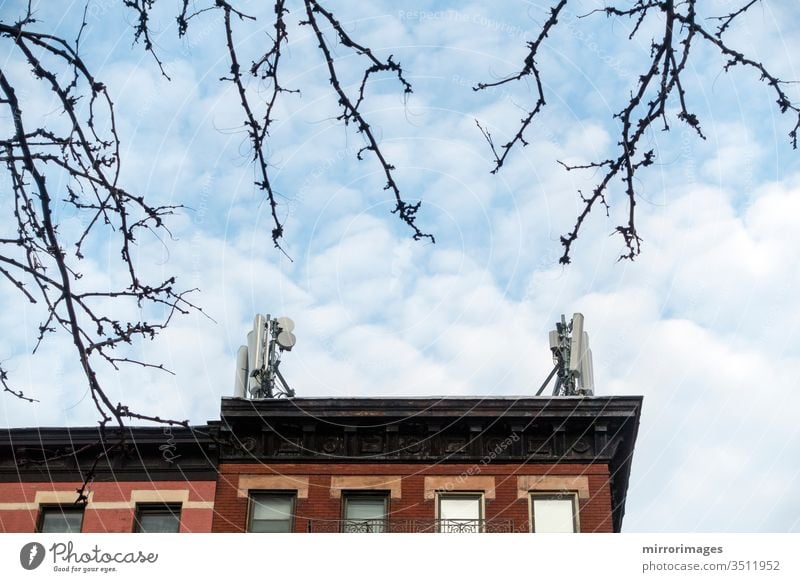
(572, 357)
(257, 364)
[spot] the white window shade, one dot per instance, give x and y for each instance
(364, 514)
(271, 513)
(554, 514)
(366, 508)
(460, 513)
(460, 507)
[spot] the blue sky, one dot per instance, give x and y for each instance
(704, 324)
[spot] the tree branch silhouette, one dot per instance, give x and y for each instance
(41, 259)
(658, 85)
(74, 161)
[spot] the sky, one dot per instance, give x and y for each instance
(703, 324)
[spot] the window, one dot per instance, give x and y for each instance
(271, 512)
(554, 512)
(60, 519)
(460, 513)
(364, 513)
(158, 518)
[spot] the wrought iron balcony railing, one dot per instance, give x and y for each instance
(411, 526)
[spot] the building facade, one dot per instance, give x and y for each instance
(425, 465)
(159, 479)
(397, 465)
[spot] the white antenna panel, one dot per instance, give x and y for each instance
(586, 376)
(555, 342)
(589, 384)
(240, 382)
(256, 347)
(251, 348)
(575, 344)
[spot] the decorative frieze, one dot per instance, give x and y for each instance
(579, 442)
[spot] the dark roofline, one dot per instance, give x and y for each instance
(89, 434)
(523, 406)
(61, 454)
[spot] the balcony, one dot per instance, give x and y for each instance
(411, 526)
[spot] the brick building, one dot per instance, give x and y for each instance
(414, 465)
(160, 479)
(425, 465)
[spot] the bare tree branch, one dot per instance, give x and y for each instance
(350, 110)
(141, 30)
(37, 259)
(656, 87)
(77, 162)
(528, 69)
(267, 68)
(73, 160)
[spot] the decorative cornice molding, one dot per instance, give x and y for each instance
(532, 430)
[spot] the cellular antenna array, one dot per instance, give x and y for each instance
(572, 357)
(257, 364)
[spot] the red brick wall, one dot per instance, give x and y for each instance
(230, 513)
(19, 512)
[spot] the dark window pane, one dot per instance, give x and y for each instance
(61, 520)
(158, 519)
(271, 526)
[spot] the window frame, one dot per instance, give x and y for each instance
(365, 494)
(480, 495)
(156, 508)
(60, 507)
(554, 495)
(285, 493)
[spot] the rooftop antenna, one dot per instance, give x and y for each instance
(257, 364)
(572, 359)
